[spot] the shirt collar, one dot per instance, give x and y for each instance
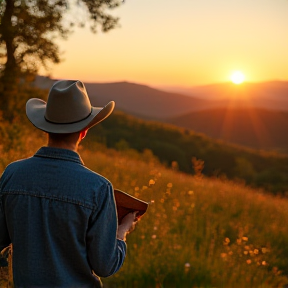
(59, 153)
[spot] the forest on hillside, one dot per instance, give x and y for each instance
(190, 152)
(180, 148)
(200, 231)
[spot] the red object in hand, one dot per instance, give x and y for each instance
(126, 203)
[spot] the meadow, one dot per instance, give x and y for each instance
(197, 232)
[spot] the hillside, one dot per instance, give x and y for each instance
(205, 112)
(139, 100)
(270, 94)
(172, 144)
(151, 103)
(257, 128)
(197, 232)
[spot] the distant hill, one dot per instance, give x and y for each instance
(151, 103)
(256, 128)
(226, 111)
(144, 101)
(170, 143)
(138, 100)
(271, 94)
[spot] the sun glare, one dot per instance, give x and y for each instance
(237, 77)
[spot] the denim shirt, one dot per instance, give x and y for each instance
(61, 219)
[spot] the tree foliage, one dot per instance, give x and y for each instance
(28, 29)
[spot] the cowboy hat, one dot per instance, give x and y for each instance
(68, 109)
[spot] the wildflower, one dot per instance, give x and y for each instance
(190, 192)
(170, 185)
(245, 238)
(151, 182)
(264, 250)
(154, 236)
(256, 251)
(186, 267)
(226, 241)
(248, 261)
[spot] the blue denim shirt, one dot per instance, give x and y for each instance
(61, 219)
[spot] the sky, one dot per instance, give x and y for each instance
(182, 43)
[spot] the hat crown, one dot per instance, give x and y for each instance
(68, 102)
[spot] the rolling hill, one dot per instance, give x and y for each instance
(150, 103)
(144, 101)
(237, 114)
(171, 144)
(253, 127)
(271, 94)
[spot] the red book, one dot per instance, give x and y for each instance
(126, 203)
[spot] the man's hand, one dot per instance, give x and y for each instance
(127, 225)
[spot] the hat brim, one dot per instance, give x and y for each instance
(35, 111)
(126, 203)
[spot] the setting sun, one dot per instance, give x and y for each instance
(237, 77)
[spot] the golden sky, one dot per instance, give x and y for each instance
(182, 43)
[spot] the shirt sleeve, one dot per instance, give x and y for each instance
(106, 253)
(4, 235)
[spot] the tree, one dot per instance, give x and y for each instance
(28, 29)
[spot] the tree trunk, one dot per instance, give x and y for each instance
(9, 76)
(7, 34)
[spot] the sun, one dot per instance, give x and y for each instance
(237, 77)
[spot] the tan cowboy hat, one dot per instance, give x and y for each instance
(68, 109)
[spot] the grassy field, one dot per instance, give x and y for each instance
(197, 232)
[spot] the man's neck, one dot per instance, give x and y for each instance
(69, 146)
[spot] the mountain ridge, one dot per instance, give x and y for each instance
(149, 103)
(257, 128)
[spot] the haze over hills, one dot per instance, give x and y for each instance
(144, 101)
(148, 102)
(252, 127)
(271, 95)
(234, 113)
(139, 100)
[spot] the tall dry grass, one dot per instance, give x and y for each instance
(197, 232)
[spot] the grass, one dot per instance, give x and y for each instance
(197, 232)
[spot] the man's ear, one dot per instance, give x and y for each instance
(83, 134)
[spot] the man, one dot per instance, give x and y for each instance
(59, 215)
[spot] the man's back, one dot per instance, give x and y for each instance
(61, 219)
